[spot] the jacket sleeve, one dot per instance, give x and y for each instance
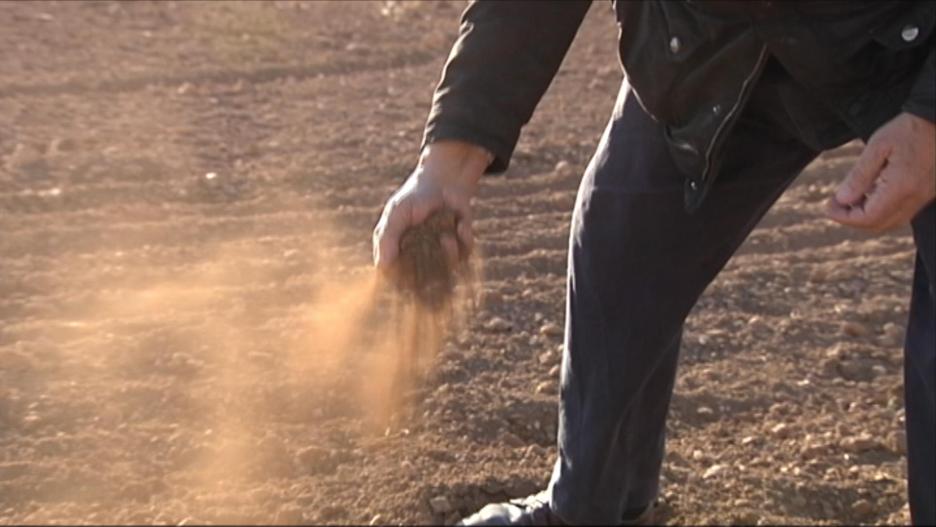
(506, 55)
(922, 100)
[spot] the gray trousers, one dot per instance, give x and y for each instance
(637, 264)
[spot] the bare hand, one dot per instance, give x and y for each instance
(894, 178)
(447, 176)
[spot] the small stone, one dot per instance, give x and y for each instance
(375, 520)
(697, 455)
(835, 352)
(531, 451)
(498, 325)
(564, 168)
(858, 444)
(713, 471)
(554, 372)
(704, 410)
(818, 274)
(551, 330)
(813, 450)
(512, 440)
(744, 518)
(60, 145)
(440, 505)
(854, 329)
(862, 508)
(547, 357)
(897, 442)
(748, 440)
(780, 430)
(893, 334)
(546, 387)
(854, 370)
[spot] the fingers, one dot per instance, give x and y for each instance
(860, 179)
(396, 217)
(450, 248)
(881, 208)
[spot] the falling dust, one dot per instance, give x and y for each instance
(233, 378)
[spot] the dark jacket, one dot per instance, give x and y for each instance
(692, 65)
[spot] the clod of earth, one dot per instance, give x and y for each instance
(423, 271)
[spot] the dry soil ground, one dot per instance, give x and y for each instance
(186, 197)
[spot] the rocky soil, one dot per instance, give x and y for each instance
(186, 196)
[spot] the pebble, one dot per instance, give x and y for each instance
(780, 430)
(744, 518)
(862, 507)
(564, 168)
(835, 352)
(498, 325)
(854, 370)
(547, 357)
(854, 329)
(748, 440)
(551, 330)
(697, 455)
(897, 442)
(893, 334)
(859, 443)
(547, 387)
(512, 440)
(554, 371)
(704, 410)
(713, 471)
(60, 145)
(440, 505)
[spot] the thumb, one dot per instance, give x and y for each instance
(860, 179)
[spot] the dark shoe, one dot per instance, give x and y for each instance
(535, 510)
(532, 510)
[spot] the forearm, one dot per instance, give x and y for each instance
(504, 59)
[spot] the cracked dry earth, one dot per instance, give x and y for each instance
(186, 196)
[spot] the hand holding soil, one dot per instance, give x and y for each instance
(447, 176)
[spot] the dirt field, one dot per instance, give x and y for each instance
(186, 197)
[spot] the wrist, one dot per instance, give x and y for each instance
(455, 162)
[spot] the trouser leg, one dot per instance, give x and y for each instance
(920, 374)
(637, 264)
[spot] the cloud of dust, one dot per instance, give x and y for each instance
(249, 357)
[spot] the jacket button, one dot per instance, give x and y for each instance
(909, 33)
(675, 44)
(716, 109)
(693, 185)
